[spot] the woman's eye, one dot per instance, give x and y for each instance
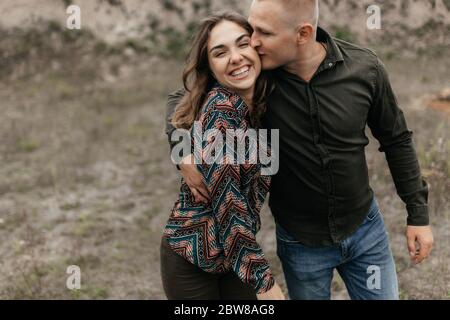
(220, 54)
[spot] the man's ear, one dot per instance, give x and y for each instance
(304, 33)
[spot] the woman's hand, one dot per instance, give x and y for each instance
(273, 294)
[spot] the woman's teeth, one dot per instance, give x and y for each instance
(241, 72)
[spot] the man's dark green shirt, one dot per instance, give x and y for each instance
(321, 193)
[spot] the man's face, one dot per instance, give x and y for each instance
(273, 37)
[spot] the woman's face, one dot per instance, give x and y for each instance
(234, 63)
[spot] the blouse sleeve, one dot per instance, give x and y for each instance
(234, 216)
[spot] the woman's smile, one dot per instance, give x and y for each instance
(241, 73)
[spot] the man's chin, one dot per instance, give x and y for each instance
(268, 65)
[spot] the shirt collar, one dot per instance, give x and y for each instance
(334, 53)
(237, 101)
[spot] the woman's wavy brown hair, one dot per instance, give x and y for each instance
(198, 78)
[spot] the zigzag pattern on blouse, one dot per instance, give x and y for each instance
(220, 236)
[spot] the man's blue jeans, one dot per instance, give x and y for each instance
(364, 261)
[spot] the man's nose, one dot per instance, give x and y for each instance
(254, 41)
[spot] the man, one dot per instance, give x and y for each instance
(326, 91)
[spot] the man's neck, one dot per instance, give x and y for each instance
(308, 61)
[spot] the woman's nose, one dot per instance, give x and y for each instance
(236, 56)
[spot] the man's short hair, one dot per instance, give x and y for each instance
(301, 11)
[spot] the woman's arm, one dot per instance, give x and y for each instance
(235, 218)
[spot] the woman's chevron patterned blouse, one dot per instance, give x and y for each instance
(220, 236)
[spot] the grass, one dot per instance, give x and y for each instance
(87, 180)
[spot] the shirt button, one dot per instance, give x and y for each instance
(330, 64)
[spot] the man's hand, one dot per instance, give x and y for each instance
(423, 237)
(194, 179)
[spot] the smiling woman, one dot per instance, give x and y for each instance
(220, 48)
(233, 62)
(209, 250)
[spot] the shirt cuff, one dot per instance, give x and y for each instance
(268, 284)
(418, 216)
